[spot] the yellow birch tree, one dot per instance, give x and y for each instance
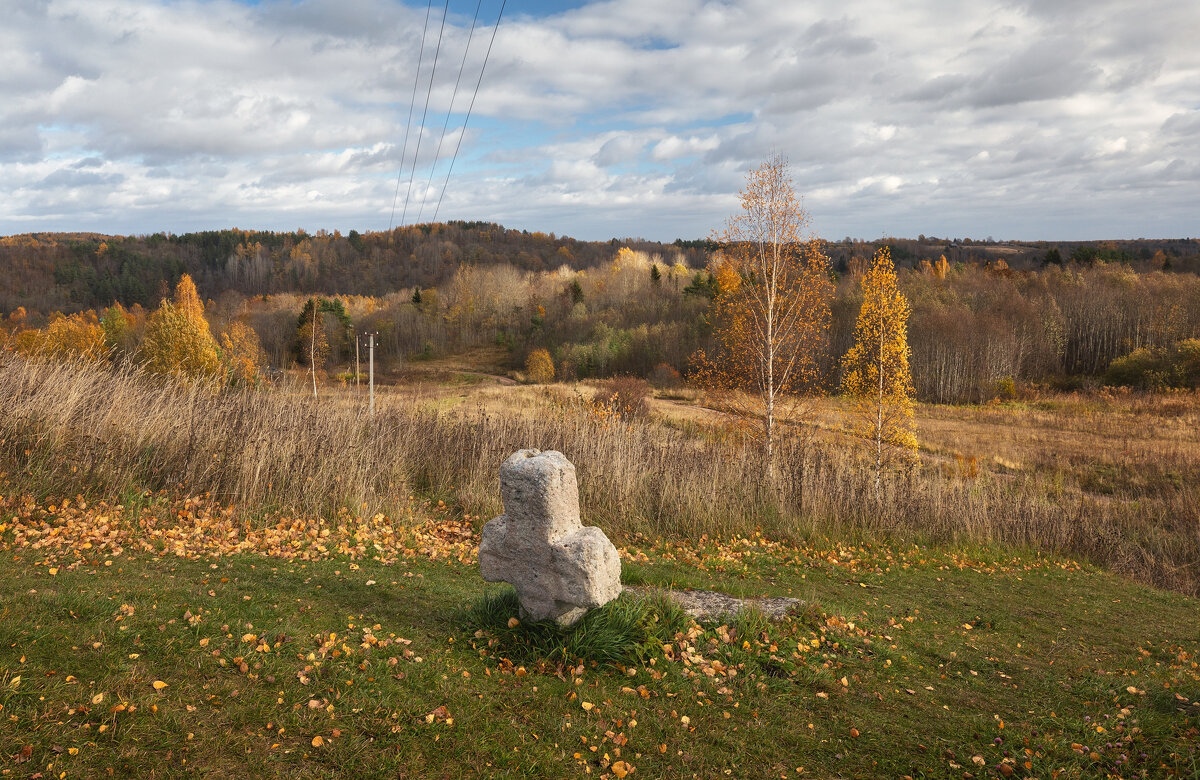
(771, 313)
(243, 354)
(178, 339)
(539, 367)
(875, 370)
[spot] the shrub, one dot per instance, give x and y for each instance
(1141, 368)
(76, 336)
(1158, 369)
(1188, 361)
(624, 396)
(539, 367)
(1006, 389)
(665, 376)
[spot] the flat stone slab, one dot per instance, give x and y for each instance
(710, 605)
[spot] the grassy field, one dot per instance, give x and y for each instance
(201, 582)
(300, 661)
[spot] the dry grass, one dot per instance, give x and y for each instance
(88, 428)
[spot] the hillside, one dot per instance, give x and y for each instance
(68, 272)
(74, 271)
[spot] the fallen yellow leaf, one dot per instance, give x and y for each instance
(318, 740)
(158, 685)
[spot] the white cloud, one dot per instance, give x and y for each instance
(617, 118)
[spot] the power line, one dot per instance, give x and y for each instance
(425, 113)
(469, 109)
(450, 110)
(411, 104)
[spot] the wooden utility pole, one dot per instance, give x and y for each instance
(371, 369)
(356, 363)
(312, 353)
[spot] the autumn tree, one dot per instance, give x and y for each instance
(771, 309)
(311, 340)
(178, 339)
(75, 336)
(242, 353)
(941, 267)
(11, 326)
(539, 367)
(123, 329)
(875, 370)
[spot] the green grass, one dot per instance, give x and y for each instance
(625, 631)
(950, 656)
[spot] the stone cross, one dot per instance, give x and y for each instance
(559, 567)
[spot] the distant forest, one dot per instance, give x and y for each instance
(989, 319)
(69, 272)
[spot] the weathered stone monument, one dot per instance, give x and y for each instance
(560, 568)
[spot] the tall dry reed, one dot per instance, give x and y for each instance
(67, 428)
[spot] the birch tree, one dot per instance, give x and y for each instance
(771, 313)
(876, 372)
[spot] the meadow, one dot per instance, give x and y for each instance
(1110, 477)
(215, 557)
(200, 579)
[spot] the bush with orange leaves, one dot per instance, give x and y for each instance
(623, 396)
(539, 367)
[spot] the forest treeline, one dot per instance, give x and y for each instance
(72, 272)
(69, 272)
(980, 328)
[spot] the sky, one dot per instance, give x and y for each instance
(1021, 119)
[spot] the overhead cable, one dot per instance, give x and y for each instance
(411, 104)
(469, 109)
(450, 109)
(425, 113)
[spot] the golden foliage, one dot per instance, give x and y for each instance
(539, 367)
(772, 311)
(123, 328)
(178, 339)
(76, 336)
(187, 299)
(626, 257)
(941, 267)
(242, 353)
(876, 370)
